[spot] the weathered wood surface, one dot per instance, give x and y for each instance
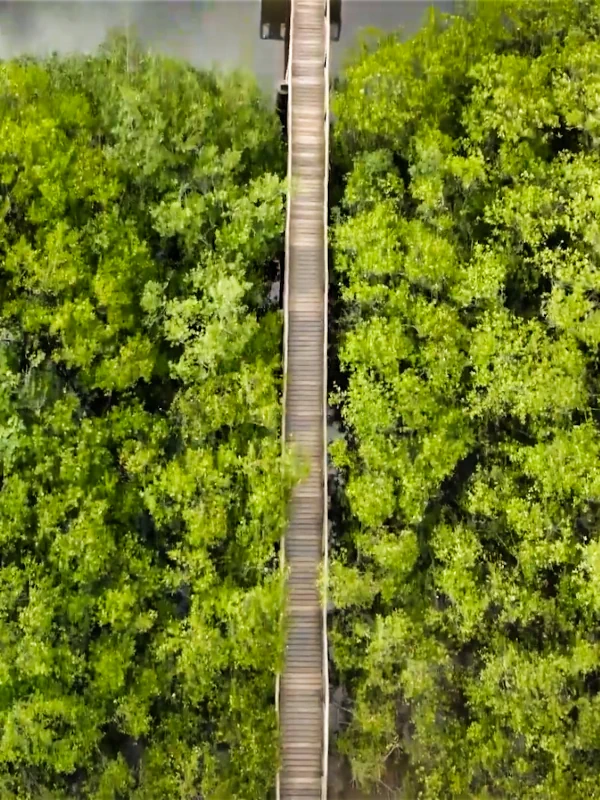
(303, 685)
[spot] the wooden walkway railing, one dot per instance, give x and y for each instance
(303, 686)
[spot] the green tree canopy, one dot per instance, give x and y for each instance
(467, 248)
(142, 485)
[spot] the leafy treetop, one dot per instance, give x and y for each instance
(142, 484)
(467, 248)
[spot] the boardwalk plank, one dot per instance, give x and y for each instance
(303, 682)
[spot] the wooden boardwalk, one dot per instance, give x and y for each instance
(303, 686)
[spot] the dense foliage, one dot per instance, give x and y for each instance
(467, 247)
(142, 486)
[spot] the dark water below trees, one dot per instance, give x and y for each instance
(205, 32)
